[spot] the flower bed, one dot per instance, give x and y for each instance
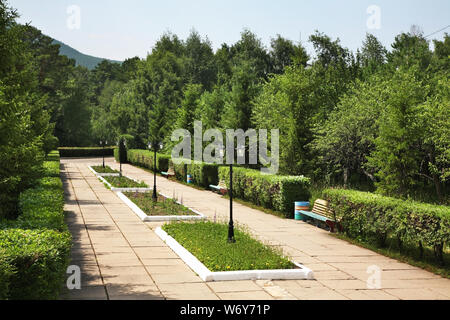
(104, 172)
(204, 247)
(124, 184)
(165, 209)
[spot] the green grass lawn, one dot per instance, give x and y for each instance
(106, 169)
(208, 242)
(124, 182)
(162, 207)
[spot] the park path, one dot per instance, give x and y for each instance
(122, 258)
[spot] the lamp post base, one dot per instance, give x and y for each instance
(231, 233)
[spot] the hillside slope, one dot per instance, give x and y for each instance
(81, 59)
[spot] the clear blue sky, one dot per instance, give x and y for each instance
(121, 29)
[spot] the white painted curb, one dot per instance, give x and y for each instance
(206, 275)
(144, 217)
(103, 174)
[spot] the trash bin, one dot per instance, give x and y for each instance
(299, 206)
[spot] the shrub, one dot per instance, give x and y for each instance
(270, 191)
(203, 174)
(180, 170)
(86, 152)
(145, 158)
(6, 271)
(38, 260)
(35, 247)
(371, 217)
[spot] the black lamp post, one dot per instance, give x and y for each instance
(155, 146)
(231, 238)
(103, 151)
(120, 157)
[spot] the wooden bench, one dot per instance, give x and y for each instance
(221, 188)
(322, 212)
(169, 173)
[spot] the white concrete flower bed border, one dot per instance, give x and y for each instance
(144, 217)
(124, 189)
(206, 275)
(98, 174)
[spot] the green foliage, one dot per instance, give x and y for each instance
(207, 241)
(375, 218)
(86, 152)
(270, 191)
(162, 207)
(124, 182)
(39, 259)
(203, 174)
(106, 169)
(35, 247)
(145, 158)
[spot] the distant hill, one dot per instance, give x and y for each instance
(81, 59)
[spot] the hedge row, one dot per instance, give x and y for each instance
(145, 158)
(35, 248)
(371, 217)
(86, 152)
(270, 191)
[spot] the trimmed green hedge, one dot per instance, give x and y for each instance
(270, 191)
(203, 174)
(371, 217)
(35, 248)
(38, 260)
(145, 158)
(86, 152)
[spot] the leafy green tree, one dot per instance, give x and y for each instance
(347, 138)
(397, 154)
(372, 56)
(286, 103)
(199, 65)
(238, 106)
(189, 107)
(23, 119)
(285, 53)
(211, 106)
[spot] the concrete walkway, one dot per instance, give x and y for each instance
(122, 258)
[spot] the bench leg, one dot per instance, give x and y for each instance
(331, 224)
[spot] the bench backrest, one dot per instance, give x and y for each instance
(222, 184)
(322, 208)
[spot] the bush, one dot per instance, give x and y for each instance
(86, 152)
(37, 259)
(371, 217)
(35, 247)
(203, 174)
(6, 271)
(145, 158)
(180, 170)
(270, 191)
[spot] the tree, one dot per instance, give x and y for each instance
(397, 154)
(285, 53)
(238, 106)
(373, 55)
(199, 65)
(347, 138)
(23, 119)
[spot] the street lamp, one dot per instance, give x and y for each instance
(155, 146)
(240, 152)
(120, 157)
(103, 153)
